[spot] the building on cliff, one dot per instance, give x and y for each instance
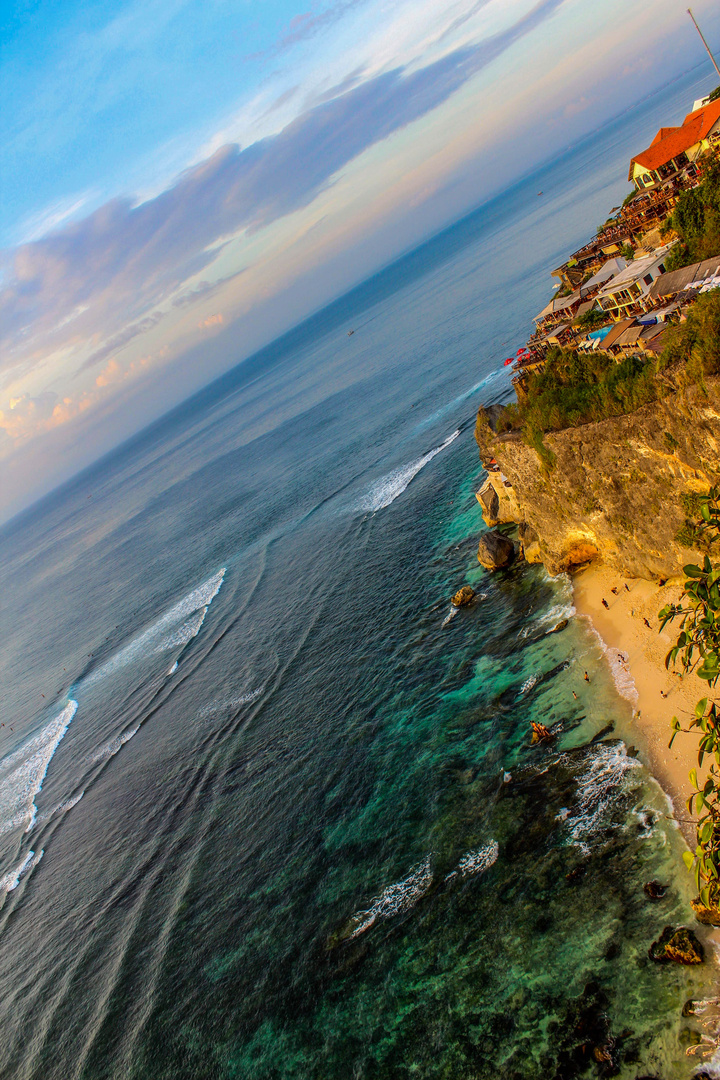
(675, 150)
(628, 292)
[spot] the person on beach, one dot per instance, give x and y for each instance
(614, 590)
(587, 677)
(647, 623)
(627, 586)
(574, 695)
(605, 603)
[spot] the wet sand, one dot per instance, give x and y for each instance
(639, 651)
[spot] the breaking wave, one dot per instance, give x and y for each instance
(172, 630)
(111, 748)
(474, 862)
(11, 880)
(599, 789)
(394, 900)
(22, 773)
(386, 490)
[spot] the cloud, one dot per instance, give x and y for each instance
(121, 261)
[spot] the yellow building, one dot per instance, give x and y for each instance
(674, 148)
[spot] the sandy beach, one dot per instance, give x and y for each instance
(639, 651)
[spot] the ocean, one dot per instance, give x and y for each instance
(269, 806)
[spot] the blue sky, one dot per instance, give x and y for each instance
(173, 168)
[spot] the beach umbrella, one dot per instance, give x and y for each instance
(508, 361)
(521, 351)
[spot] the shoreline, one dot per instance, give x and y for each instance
(636, 656)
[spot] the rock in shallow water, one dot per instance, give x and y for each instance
(678, 944)
(710, 916)
(495, 551)
(654, 890)
(463, 596)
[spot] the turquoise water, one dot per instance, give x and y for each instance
(278, 813)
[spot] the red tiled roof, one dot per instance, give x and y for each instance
(669, 142)
(663, 133)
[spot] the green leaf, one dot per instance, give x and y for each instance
(701, 707)
(688, 859)
(692, 571)
(693, 778)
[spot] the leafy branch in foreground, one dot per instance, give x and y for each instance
(698, 647)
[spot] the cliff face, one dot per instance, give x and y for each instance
(614, 491)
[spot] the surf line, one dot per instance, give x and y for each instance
(387, 489)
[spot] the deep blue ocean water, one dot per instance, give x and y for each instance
(268, 808)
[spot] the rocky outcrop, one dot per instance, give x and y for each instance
(677, 944)
(498, 501)
(710, 916)
(463, 596)
(495, 551)
(610, 490)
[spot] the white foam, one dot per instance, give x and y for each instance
(11, 880)
(439, 413)
(180, 637)
(473, 862)
(111, 748)
(624, 681)
(156, 637)
(395, 899)
(530, 682)
(22, 772)
(173, 669)
(217, 707)
(450, 615)
(598, 790)
(387, 489)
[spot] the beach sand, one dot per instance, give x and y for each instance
(639, 651)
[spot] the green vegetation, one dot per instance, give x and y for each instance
(627, 252)
(579, 388)
(576, 388)
(591, 319)
(715, 95)
(698, 647)
(695, 344)
(696, 220)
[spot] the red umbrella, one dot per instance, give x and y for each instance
(508, 361)
(521, 351)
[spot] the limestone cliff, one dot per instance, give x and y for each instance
(612, 490)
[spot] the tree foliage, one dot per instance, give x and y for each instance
(579, 388)
(696, 220)
(698, 648)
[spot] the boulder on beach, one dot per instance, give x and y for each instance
(463, 596)
(559, 626)
(495, 551)
(678, 944)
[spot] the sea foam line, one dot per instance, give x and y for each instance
(386, 490)
(217, 707)
(189, 613)
(621, 674)
(395, 899)
(22, 773)
(11, 880)
(598, 790)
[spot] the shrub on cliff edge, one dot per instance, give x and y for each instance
(698, 647)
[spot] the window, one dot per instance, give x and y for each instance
(648, 279)
(661, 268)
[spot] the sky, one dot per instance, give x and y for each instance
(183, 180)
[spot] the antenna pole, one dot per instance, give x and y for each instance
(704, 41)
